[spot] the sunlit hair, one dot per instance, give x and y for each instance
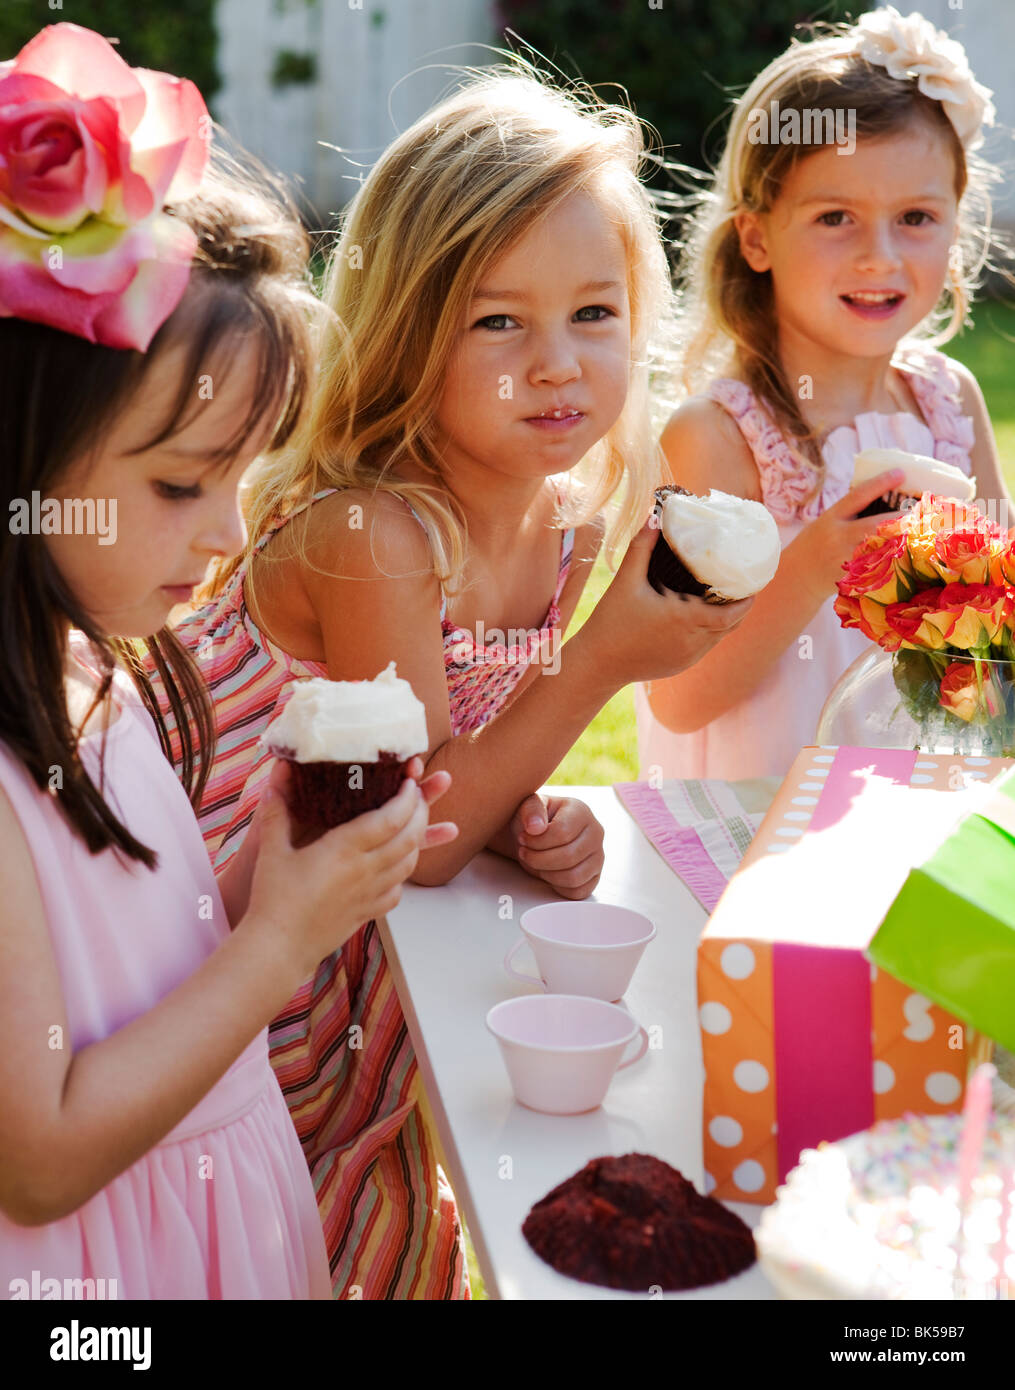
(727, 321)
(249, 281)
(445, 200)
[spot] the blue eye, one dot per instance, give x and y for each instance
(173, 493)
(600, 310)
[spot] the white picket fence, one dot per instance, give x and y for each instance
(380, 64)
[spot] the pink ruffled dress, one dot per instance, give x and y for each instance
(224, 1206)
(761, 736)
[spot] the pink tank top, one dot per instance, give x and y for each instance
(761, 736)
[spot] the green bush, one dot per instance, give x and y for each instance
(679, 63)
(178, 38)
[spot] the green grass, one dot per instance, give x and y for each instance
(608, 751)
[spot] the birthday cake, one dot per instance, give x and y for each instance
(876, 1216)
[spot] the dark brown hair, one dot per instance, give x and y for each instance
(58, 394)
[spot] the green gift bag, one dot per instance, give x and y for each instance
(950, 933)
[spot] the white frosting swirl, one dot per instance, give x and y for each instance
(350, 721)
(922, 474)
(728, 543)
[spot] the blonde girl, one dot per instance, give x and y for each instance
(481, 398)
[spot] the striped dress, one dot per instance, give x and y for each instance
(340, 1048)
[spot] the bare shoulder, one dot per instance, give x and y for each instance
(361, 534)
(705, 449)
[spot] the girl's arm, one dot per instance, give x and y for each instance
(376, 601)
(70, 1121)
(986, 463)
(705, 449)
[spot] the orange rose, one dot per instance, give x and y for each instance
(869, 617)
(961, 693)
(920, 547)
(875, 570)
(972, 615)
(962, 555)
(1002, 561)
(912, 621)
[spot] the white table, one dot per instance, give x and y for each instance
(446, 946)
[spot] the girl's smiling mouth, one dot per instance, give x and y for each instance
(873, 304)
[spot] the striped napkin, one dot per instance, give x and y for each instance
(701, 828)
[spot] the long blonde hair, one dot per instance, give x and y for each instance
(727, 319)
(445, 200)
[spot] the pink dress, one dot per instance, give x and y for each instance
(223, 1207)
(761, 736)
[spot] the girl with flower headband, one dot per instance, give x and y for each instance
(818, 281)
(143, 1136)
(495, 287)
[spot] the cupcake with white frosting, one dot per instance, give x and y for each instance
(349, 743)
(719, 547)
(921, 474)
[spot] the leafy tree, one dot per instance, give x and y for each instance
(680, 63)
(179, 38)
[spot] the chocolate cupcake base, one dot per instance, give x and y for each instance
(890, 502)
(323, 795)
(666, 570)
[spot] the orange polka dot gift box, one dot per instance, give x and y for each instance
(804, 1039)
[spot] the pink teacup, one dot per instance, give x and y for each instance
(561, 1050)
(583, 948)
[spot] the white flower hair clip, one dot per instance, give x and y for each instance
(910, 46)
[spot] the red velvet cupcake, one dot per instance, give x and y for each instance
(349, 743)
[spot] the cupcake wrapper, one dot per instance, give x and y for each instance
(890, 502)
(323, 795)
(666, 570)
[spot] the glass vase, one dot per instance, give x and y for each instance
(893, 700)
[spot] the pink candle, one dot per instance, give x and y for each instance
(976, 1113)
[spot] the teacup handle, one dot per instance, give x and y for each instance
(529, 979)
(642, 1049)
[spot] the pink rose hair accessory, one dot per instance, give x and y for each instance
(91, 150)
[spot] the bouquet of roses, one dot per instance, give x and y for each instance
(936, 586)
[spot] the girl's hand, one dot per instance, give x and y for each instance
(826, 544)
(646, 636)
(315, 897)
(560, 841)
(235, 879)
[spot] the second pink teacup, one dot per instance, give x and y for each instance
(561, 1050)
(583, 948)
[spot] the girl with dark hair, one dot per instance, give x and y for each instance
(154, 339)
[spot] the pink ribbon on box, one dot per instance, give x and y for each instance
(821, 1002)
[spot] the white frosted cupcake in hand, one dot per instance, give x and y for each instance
(921, 474)
(349, 743)
(719, 547)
